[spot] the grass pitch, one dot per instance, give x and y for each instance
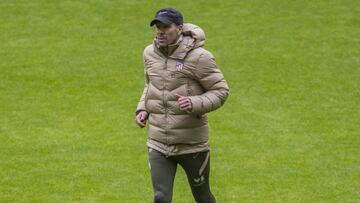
(71, 74)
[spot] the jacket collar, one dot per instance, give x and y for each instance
(178, 50)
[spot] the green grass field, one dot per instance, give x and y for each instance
(71, 74)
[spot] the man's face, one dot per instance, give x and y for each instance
(167, 34)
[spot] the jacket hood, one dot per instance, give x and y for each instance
(195, 32)
(192, 37)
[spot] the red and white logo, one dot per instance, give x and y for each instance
(179, 65)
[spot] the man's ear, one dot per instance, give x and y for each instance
(180, 28)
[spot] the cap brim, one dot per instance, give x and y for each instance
(161, 20)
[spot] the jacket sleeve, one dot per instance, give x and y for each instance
(212, 80)
(141, 104)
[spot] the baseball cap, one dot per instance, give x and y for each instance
(168, 16)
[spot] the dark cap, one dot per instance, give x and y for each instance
(168, 16)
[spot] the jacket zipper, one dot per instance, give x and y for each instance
(165, 107)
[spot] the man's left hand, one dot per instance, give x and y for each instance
(184, 103)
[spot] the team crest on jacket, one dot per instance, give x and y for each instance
(179, 65)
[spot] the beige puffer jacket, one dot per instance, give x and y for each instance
(186, 69)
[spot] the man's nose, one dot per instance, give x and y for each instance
(160, 31)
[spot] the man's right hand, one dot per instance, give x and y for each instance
(141, 118)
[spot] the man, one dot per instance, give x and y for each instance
(182, 84)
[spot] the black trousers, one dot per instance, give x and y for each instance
(196, 167)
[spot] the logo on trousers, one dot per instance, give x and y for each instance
(197, 180)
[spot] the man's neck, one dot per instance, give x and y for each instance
(169, 49)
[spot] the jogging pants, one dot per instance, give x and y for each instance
(196, 167)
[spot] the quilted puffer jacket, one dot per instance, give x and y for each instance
(187, 69)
